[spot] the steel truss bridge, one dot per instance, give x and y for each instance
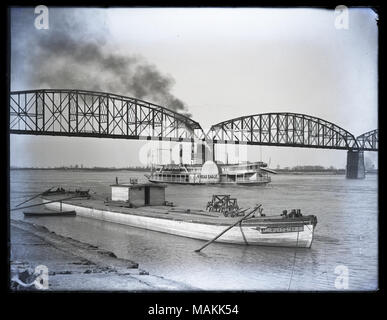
(369, 140)
(80, 113)
(94, 114)
(289, 130)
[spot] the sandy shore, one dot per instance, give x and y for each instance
(73, 265)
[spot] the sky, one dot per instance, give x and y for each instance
(214, 64)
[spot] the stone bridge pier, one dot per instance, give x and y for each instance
(355, 164)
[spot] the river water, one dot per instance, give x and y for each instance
(344, 254)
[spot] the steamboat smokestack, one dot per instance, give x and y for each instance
(181, 153)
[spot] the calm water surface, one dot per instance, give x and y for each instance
(346, 233)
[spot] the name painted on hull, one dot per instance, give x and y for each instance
(281, 229)
(209, 176)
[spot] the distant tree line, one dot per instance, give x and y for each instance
(310, 168)
(77, 167)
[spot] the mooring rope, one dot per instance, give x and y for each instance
(294, 261)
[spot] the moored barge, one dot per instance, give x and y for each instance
(144, 206)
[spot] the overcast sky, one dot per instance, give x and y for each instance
(217, 64)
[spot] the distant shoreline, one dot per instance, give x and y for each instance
(279, 171)
(86, 169)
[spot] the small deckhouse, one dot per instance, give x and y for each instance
(139, 194)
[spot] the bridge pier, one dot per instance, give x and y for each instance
(355, 164)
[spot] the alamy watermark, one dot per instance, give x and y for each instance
(42, 20)
(342, 17)
(40, 282)
(342, 280)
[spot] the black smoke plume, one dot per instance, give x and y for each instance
(73, 54)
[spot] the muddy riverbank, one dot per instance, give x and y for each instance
(75, 265)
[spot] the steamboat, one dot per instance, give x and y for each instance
(211, 172)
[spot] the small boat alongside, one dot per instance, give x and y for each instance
(144, 206)
(65, 195)
(46, 213)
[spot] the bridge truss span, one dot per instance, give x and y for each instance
(283, 129)
(81, 113)
(369, 141)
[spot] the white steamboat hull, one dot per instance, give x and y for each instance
(245, 234)
(242, 183)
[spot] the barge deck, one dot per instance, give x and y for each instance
(257, 230)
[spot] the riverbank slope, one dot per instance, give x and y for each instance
(74, 265)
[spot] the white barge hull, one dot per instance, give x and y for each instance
(245, 234)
